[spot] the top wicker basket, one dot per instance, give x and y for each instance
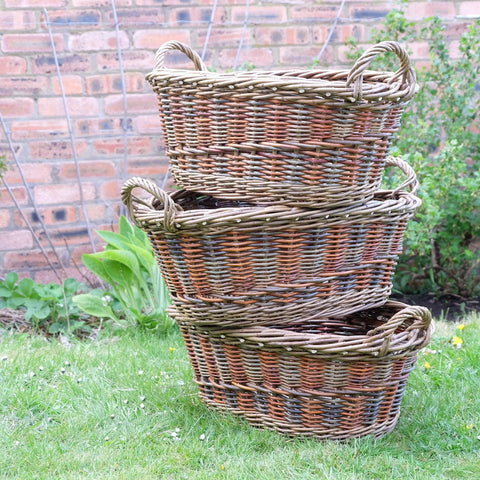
(303, 138)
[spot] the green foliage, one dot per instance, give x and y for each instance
(3, 165)
(48, 307)
(128, 265)
(439, 138)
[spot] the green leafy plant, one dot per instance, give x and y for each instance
(440, 138)
(48, 307)
(128, 265)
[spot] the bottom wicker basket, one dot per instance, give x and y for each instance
(335, 378)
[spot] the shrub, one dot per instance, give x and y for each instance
(440, 138)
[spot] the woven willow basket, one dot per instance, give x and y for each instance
(299, 138)
(227, 262)
(334, 378)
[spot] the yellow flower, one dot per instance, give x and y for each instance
(222, 466)
(461, 327)
(470, 426)
(457, 341)
(426, 366)
(172, 349)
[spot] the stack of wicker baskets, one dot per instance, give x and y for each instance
(280, 248)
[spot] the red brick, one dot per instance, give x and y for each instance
(95, 169)
(19, 193)
(12, 65)
(17, 20)
(96, 212)
(31, 86)
(64, 193)
(132, 60)
(341, 33)
(111, 190)
(32, 172)
(259, 57)
(35, 3)
(135, 146)
(77, 106)
(16, 107)
(260, 14)
(71, 63)
(33, 259)
(72, 85)
(313, 13)
(301, 56)
(56, 150)
(297, 35)
(76, 235)
(100, 126)
(101, 3)
(147, 167)
(454, 49)
(4, 218)
(49, 216)
(156, 38)
(419, 51)
(421, 10)
(375, 12)
(73, 19)
(15, 240)
(148, 124)
(112, 83)
(139, 16)
(226, 37)
(31, 42)
(136, 103)
(469, 9)
(31, 129)
(188, 16)
(95, 41)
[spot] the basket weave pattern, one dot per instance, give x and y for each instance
(333, 378)
(301, 138)
(230, 260)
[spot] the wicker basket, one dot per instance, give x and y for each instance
(335, 378)
(299, 138)
(232, 264)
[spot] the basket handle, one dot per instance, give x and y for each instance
(132, 202)
(176, 45)
(411, 181)
(422, 318)
(405, 72)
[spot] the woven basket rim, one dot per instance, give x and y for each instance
(384, 340)
(354, 85)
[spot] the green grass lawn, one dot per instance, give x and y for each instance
(124, 406)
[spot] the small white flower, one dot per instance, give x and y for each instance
(107, 439)
(202, 436)
(4, 359)
(140, 372)
(174, 434)
(40, 368)
(112, 416)
(125, 401)
(32, 374)
(142, 398)
(67, 363)
(62, 370)
(142, 405)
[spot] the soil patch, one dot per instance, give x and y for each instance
(446, 307)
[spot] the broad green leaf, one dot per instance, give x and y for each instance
(113, 239)
(124, 226)
(120, 273)
(96, 266)
(25, 286)
(5, 292)
(95, 306)
(11, 279)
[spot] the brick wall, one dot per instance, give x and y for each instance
(102, 142)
